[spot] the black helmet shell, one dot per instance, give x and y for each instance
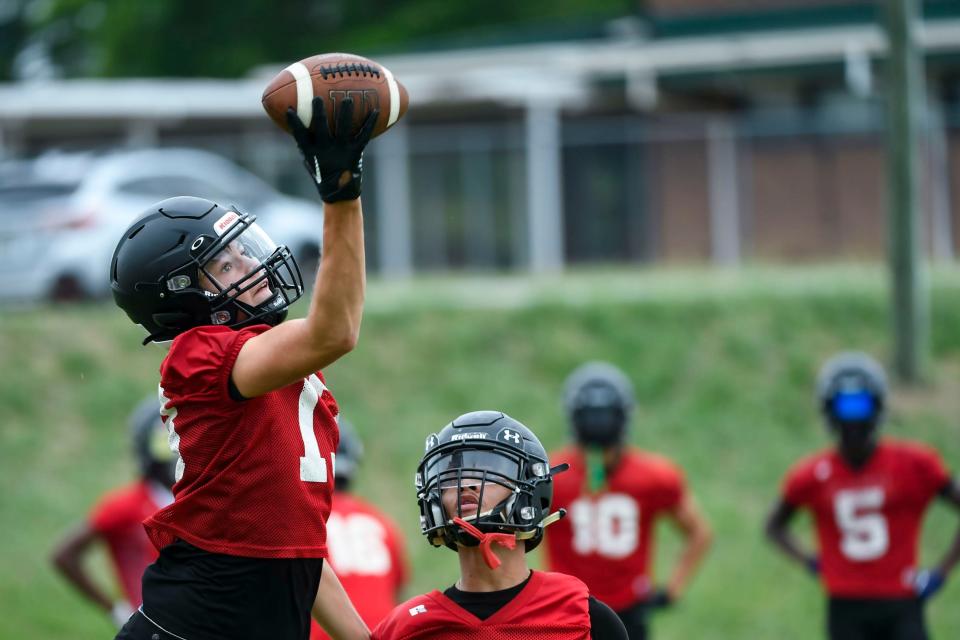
(513, 455)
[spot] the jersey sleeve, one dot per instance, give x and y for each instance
(200, 361)
(931, 473)
(116, 510)
(671, 485)
(798, 485)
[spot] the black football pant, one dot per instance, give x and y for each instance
(635, 620)
(875, 619)
(139, 628)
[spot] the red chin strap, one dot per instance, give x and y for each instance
(507, 540)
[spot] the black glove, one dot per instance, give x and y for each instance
(659, 599)
(327, 156)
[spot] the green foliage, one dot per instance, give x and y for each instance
(723, 366)
(202, 38)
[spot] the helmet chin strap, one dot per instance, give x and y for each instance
(486, 540)
(508, 540)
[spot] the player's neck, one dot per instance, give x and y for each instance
(859, 457)
(476, 576)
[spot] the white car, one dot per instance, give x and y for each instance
(61, 215)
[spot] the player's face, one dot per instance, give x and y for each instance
(857, 440)
(229, 267)
(467, 494)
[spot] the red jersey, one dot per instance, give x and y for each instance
(607, 538)
(366, 551)
(868, 519)
(254, 477)
(118, 519)
(552, 606)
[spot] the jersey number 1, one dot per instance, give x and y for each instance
(313, 467)
(864, 529)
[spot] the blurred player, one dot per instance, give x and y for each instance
(867, 496)
(614, 494)
(366, 549)
(484, 487)
(249, 415)
(117, 520)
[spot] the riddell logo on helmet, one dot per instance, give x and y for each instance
(473, 435)
(225, 222)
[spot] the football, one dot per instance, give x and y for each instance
(334, 76)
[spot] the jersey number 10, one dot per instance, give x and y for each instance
(608, 526)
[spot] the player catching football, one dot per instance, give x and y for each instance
(485, 489)
(245, 405)
(615, 494)
(867, 497)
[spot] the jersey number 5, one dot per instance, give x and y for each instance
(313, 467)
(864, 529)
(608, 526)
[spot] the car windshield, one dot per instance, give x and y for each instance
(18, 199)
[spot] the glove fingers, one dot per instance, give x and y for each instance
(299, 132)
(363, 136)
(319, 124)
(344, 120)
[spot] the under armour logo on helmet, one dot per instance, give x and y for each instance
(511, 436)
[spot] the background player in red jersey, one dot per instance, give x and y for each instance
(117, 520)
(485, 489)
(245, 404)
(867, 497)
(366, 548)
(614, 494)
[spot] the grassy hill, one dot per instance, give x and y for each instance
(723, 364)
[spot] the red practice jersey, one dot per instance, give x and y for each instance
(254, 477)
(868, 519)
(552, 606)
(118, 519)
(607, 538)
(366, 551)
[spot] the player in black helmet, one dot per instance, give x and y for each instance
(485, 490)
(249, 415)
(868, 496)
(615, 493)
(116, 520)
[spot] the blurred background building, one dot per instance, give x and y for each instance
(672, 131)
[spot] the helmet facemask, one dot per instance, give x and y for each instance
(247, 278)
(465, 482)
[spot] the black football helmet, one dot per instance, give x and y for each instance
(852, 387)
(349, 454)
(155, 459)
(486, 447)
(851, 392)
(162, 269)
(598, 398)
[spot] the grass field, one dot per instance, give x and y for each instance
(722, 361)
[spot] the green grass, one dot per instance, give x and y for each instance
(722, 361)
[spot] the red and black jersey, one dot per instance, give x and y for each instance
(552, 606)
(366, 552)
(118, 519)
(868, 519)
(254, 477)
(606, 539)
